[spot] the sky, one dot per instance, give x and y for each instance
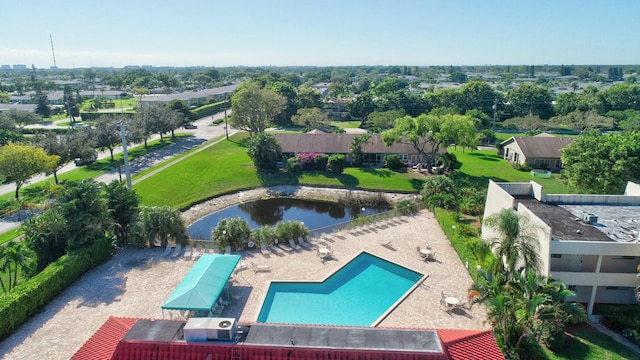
(116, 33)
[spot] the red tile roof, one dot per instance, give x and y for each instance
(457, 345)
(470, 344)
(103, 343)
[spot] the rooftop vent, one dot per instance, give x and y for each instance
(590, 218)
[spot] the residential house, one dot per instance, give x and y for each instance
(539, 152)
(590, 242)
(328, 143)
(322, 88)
(195, 98)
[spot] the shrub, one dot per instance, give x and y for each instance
(407, 207)
(293, 165)
(307, 160)
(336, 163)
(631, 335)
(321, 161)
(393, 162)
(521, 167)
(30, 296)
(211, 109)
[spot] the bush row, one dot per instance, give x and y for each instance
(92, 116)
(28, 298)
(211, 109)
(464, 239)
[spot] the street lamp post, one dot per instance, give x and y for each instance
(125, 154)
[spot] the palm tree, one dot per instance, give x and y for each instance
(17, 254)
(515, 243)
(3, 268)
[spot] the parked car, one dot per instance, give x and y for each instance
(190, 126)
(87, 159)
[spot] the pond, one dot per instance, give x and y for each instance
(269, 212)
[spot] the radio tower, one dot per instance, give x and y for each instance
(55, 66)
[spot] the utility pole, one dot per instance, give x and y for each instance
(127, 170)
(226, 125)
(495, 114)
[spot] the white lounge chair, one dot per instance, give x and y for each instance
(293, 245)
(285, 247)
(188, 252)
(177, 251)
(277, 250)
(264, 250)
(304, 244)
(257, 268)
(198, 252)
(167, 251)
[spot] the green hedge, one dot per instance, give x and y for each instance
(91, 116)
(211, 109)
(28, 298)
(464, 240)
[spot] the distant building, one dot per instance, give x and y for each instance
(19, 67)
(201, 97)
(5, 67)
(590, 242)
(540, 152)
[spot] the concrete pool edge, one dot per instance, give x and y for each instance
(422, 277)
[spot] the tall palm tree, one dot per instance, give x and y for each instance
(3, 268)
(20, 256)
(515, 244)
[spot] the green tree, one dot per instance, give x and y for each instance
(46, 236)
(123, 205)
(515, 243)
(530, 99)
(602, 164)
(309, 98)
(384, 120)
(231, 232)
(477, 95)
(356, 149)
(253, 107)
(42, 104)
(21, 118)
(55, 145)
(426, 133)
(361, 107)
(18, 255)
(85, 212)
(528, 124)
(582, 121)
(337, 163)
(312, 118)
(107, 132)
(265, 151)
(159, 225)
(439, 191)
(20, 162)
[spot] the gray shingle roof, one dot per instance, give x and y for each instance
(336, 143)
(542, 147)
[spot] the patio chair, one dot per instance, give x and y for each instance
(264, 250)
(198, 252)
(257, 268)
(167, 251)
(285, 247)
(222, 302)
(277, 250)
(293, 245)
(187, 252)
(176, 252)
(388, 245)
(227, 250)
(304, 244)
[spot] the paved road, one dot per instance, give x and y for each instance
(204, 132)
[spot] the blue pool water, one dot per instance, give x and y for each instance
(357, 294)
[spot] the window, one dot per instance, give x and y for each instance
(556, 256)
(623, 257)
(572, 288)
(404, 157)
(619, 288)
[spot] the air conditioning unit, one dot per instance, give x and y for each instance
(590, 218)
(209, 329)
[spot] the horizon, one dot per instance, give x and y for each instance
(288, 33)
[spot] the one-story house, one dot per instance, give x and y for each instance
(328, 143)
(539, 152)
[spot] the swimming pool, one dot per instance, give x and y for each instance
(358, 294)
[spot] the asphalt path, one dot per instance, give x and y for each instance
(204, 132)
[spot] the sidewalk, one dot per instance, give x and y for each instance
(594, 320)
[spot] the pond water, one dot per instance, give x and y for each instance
(269, 212)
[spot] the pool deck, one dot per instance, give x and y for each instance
(136, 282)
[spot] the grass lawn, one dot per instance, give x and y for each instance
(346, 124)
(590, 344)
(481, 165)
(226, 167)
(8, 236)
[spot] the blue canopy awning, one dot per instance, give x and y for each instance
(201, 287)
